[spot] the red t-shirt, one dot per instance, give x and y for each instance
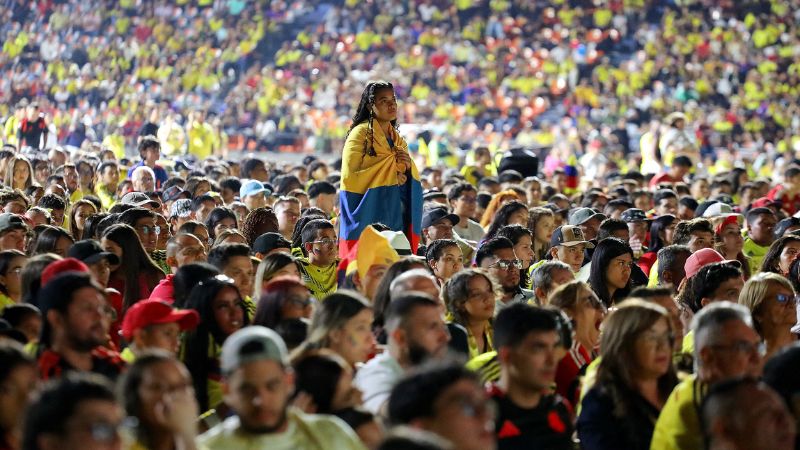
(569, 370)
(790, 204)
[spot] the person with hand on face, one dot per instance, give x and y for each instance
(463, 199)
(416, 332)
(157, 392)
(448, 401)
(257, 384)
(78, 412)
(444, 259)
(154, 324)
(529, 346)
(320, 248)
(725, 347)
(498, 258)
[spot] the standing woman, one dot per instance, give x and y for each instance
(380, 182)
(137, 274)
(634, 379)
(81, 210)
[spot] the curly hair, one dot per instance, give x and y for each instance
(258, 222)
(455, 293)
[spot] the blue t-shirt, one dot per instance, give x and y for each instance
(161, 174)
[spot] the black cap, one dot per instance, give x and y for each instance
(631, 215)
(270, 241)
(89, 252)
(434, 215)
(174, 193)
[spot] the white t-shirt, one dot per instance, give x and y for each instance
(375, 381)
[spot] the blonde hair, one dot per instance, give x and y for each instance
(755, 289)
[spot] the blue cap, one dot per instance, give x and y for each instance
(252, 187)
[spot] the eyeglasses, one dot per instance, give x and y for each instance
(744, 347)
(300, 302)
(474, 408)
(327, 242)
(657, 340)
(506, 264)
(150, 230)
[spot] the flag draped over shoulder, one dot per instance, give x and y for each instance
(370, 192)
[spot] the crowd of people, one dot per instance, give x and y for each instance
(464, 272)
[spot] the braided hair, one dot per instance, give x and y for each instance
(364, 111)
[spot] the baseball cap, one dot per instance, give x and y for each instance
(398, 241)
(61, 266)
(702, 258)
(432, 216)
(9, 221)
(138, 199)
(150, 312)
(631, 215)
(181, 208)
(431, 194)
(569, 236)
(719, 209)
(765, 202)
(785, 224)
(270, 241)
(581, 215)
(174, 193)
(253, 343)
(89, 252)
(253, 187)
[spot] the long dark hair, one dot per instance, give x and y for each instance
(514, 233)
(187, 277)
(216, 216)
(608, 249)
(659, 224)
(364, 111)
(196, 343)
(47, 239)
(90, 226)
(6, 256)
(134, 262)
(501, 217)
(771, 261)
(269, 308)
(317, 374)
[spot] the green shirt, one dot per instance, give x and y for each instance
(756, 254)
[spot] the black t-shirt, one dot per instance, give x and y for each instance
(30, 132)
(548, 426)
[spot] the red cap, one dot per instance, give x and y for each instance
(61, 266)
(149, 312)
(699, 259)
(764, 202)
(732, 219)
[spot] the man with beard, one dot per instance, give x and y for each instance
(497, 256)
(77, 318)
(416, 331)
(258, 382)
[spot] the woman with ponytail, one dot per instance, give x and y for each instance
(380, 182)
